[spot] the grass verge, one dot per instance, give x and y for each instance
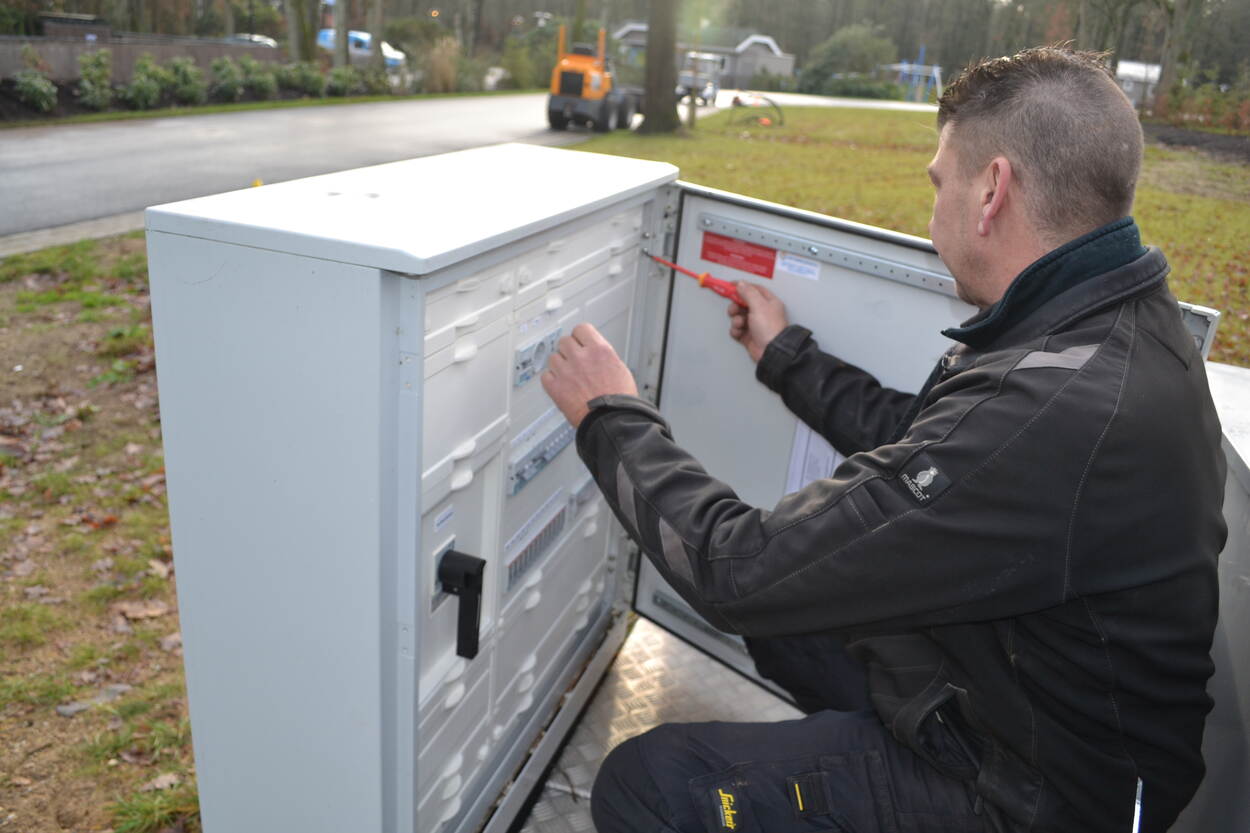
(88, 612)
(869, 166)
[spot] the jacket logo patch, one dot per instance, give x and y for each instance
(924, 481)
(728, 811)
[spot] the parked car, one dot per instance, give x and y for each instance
(257, 40)
(360, 49)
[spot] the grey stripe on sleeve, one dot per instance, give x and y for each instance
(675, 551)
(625, 497)
(1074, 358)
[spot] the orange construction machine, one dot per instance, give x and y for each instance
(584, 91)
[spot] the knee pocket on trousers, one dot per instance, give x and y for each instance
(844, 793)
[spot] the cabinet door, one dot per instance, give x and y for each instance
(874, 298)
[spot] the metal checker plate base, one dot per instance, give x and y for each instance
(655, 679)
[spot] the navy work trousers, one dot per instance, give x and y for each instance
(836, 770)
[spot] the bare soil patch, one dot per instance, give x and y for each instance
(1225, 147)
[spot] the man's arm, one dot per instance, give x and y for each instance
(844, 404)
(940, 527)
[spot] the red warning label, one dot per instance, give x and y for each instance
(741, 255)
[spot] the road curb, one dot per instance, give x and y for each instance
(30, 241)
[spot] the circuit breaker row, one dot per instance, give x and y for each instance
(501, 483)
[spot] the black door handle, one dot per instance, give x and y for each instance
(461, 575)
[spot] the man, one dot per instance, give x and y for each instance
(1019, 561)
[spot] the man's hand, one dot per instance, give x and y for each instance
(753, 328)
(585, 367)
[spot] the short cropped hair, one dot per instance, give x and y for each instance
(1070, 133)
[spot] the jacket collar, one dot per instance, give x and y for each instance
(1088, 272)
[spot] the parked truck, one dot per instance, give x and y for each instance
(584, 89)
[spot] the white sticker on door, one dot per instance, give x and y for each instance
(798, 267)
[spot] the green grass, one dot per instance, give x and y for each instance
(98, 598)
(28, 625)
(123, 341)
(119, 372)
(77, 261)
(82, 656)
(35, 690)
(869, 166)
(152, 738)
(153, 811)
(208, 109)
(53, 485)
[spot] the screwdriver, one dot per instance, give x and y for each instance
(723, 288)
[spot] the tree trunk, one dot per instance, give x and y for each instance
(376, 17)
(475, 31)
(227, 14)
(576, 35)
(1085, 25)
(291, 10)
(342, 57)
(312, 25)
(659, 110)
(1173, 37)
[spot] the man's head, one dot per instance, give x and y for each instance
(1036, 149)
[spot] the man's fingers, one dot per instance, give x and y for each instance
(586, 335)
(762, 291)
(749, 293)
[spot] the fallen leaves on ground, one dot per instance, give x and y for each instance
(162, 782)
(141, 609)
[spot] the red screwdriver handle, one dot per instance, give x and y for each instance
(723, 288)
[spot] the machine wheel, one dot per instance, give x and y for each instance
(628, 108)
(609, 116)
(557, 120)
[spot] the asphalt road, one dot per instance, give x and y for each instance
(60, 179)
(54, 176)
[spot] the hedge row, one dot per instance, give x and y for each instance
(181, 82)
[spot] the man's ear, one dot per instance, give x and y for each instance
(997, 180)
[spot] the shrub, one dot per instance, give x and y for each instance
(520, 68)
(147, 84)
(227, 84)
(441, 64)
(852, 49)
(95, 82)
(861, 88)
(376, 82)
(303, 78)
(35, 91)
(471, 74)
(187, 85)
(768, 82)
(258, 79)
(31, 59)
(142, 93)
(344, 81)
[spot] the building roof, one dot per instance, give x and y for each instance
(1137, 71)
(719, 39)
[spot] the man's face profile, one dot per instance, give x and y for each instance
(953, 210)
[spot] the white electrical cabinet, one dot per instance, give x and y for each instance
(398, 584)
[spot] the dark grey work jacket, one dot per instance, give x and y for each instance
(1028, 548)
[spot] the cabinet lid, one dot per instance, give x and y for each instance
(419, 215)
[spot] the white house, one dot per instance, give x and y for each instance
(742, 53)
